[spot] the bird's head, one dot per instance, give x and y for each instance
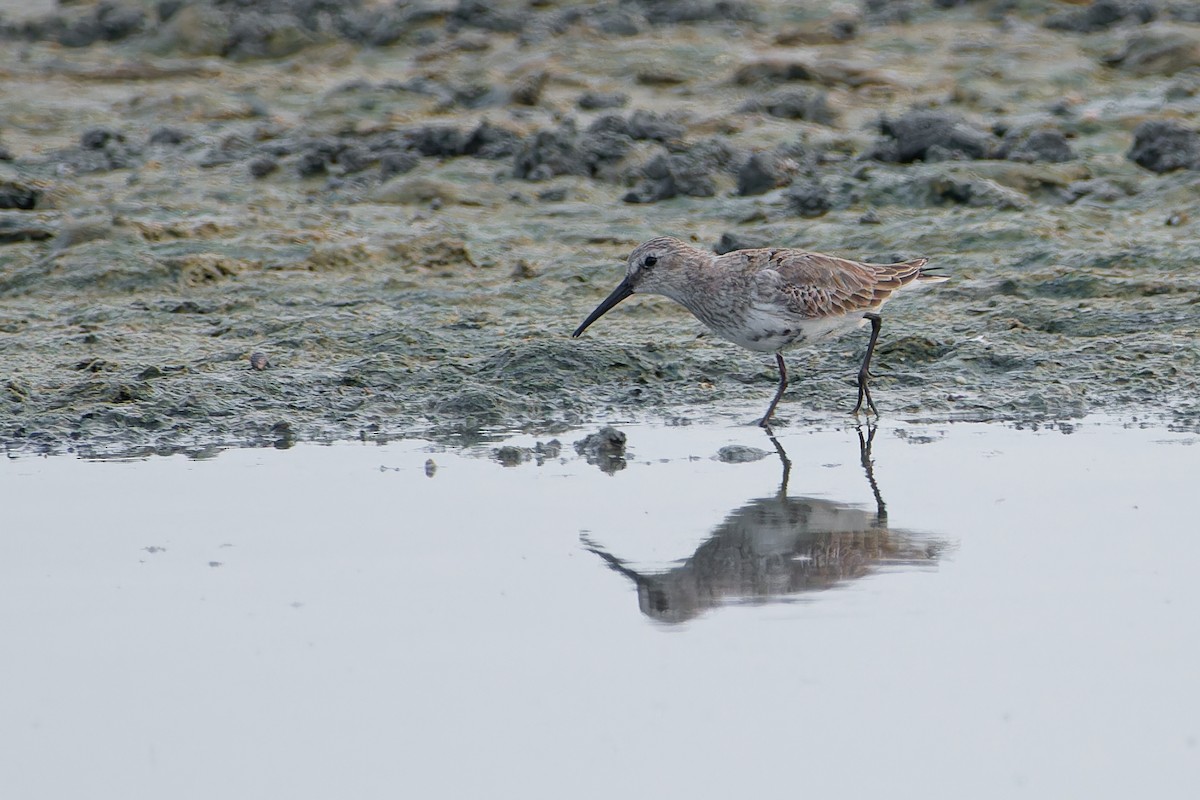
(654, 267)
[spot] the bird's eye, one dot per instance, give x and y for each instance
(650, 261)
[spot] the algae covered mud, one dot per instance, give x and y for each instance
(408, 207)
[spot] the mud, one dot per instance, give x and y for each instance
(406, 208)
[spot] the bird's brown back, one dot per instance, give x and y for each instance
(819, 285)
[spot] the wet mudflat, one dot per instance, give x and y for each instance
(932, 610)
(407, 207)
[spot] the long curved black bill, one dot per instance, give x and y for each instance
(618, 294)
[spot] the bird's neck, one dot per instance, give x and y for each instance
(699, 280)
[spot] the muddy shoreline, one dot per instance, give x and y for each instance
(407, 208)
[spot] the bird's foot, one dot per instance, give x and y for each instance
(864, 393)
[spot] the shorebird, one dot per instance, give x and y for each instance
(769, 299)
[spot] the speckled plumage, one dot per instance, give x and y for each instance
(768, 299)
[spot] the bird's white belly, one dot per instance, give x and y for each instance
(769, 333)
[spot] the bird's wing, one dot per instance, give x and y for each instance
(815, 285)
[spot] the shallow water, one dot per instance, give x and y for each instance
(332, 621)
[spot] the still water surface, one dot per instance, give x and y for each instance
(961, 611)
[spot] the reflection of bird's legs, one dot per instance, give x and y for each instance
(783, 458)
(864, 450)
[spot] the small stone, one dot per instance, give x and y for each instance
(511, 456)
(96, 138)
(263, 166)
(730, 242)
(312, 163)
(605, 448)
(258, 361)
(759, 175)
(523, 270)
(740, 454)
(594, 101)
(168, 136)
(430, 468)
(1165, 145)
(809, 200)
(527, 91)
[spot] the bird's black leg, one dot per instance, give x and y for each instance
(765, 422)
(864, 374)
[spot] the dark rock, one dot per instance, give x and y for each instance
(97, 138)
(312, 162)
(1157, 51)
(115, 22)
(773, 72)
(594, 101)
(803, 104)
(20, 228)
(760, 174)
(480, 14)
(271, 33)
(479, 95)
(1039, 145)
(920, 134)
(168, 136)
(890, 12)
(354, 158)
(262, 166)
(605, 449)
(107, 22)
(556, 195)
(512, 456)
(527, 91)
(614, 21)
(656, 127)
(843, 29)
(381, 26)
(689, 173)
(603, 150)
(491, 142)
(1165, 145)
(437, 140)
(1102, 14)
(671, 12)
(230, 149)
(730, 242)
(610, 123)
(168, 8)
(547, 450)
(809, 199)
(100, 150)
(396, 162)
(548, 153)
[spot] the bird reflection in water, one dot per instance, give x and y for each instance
(775, 548)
